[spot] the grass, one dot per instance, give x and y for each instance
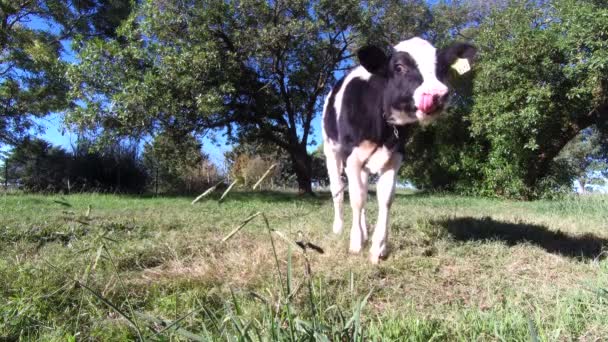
(108, 267)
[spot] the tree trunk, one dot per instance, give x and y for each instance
(581, 185)
(6, 174)
(156, 183)
(302, 164)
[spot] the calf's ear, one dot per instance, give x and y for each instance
(458, 56)
(373, 59)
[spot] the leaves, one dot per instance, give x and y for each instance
(540, 80)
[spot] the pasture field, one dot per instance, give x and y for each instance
(119, 268)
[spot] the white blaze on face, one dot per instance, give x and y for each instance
(426, 58)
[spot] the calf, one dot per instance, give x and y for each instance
(363, 124)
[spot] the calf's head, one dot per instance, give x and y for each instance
(416, 77)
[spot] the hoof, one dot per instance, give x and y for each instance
(354, 249)
(377, 254)
(337, 228)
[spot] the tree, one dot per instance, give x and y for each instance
(32, 82)
(544, 79)
(38, 165)
(540, 80)
(4, 173)
(585, 158)
(258, 68)
(177, 163)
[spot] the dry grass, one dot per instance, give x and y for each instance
(459, 268)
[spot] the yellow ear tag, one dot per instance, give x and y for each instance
(461, 66)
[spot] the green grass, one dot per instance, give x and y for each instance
(107, 267)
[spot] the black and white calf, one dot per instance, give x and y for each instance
(363, 124)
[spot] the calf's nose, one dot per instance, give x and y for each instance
(430, 97)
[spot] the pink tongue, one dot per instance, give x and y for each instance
(426, 103)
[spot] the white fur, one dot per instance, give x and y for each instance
(357, 193)
(385, 190)
(423, 53)
(335, 166)
(325, 103)
(426, 58)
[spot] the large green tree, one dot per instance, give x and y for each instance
(32, 82)
(170, 159)
(544, 79)
(541, 79)
(258, 68)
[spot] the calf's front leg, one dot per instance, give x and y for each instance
(334, 170)
(385, 190)
(357, 197)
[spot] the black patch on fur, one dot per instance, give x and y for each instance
(361, 117)
(399, 92)
(330, 122)
(373, 59)
(446, 57)
(366, 103)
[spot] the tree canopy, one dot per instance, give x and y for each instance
(32, 70)
(541, 79)
(259, 70)
(256, 67)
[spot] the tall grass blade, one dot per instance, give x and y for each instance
(237, 306)
(274, 253)
(355, 320)
(289, 241)
(239, 227)
(214, 320)
(177, 321)
(180, 331)
(228, 190)
(122, 284)
(289, 272)
(104, 300)
(207, 192)
(111, 305)
(264, 175)
(97, 256)
(283, 286)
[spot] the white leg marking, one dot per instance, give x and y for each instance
(364, 176)
(334, 169)
(357, 200)
(386, 191)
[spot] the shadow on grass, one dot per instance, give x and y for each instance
(587, 246)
